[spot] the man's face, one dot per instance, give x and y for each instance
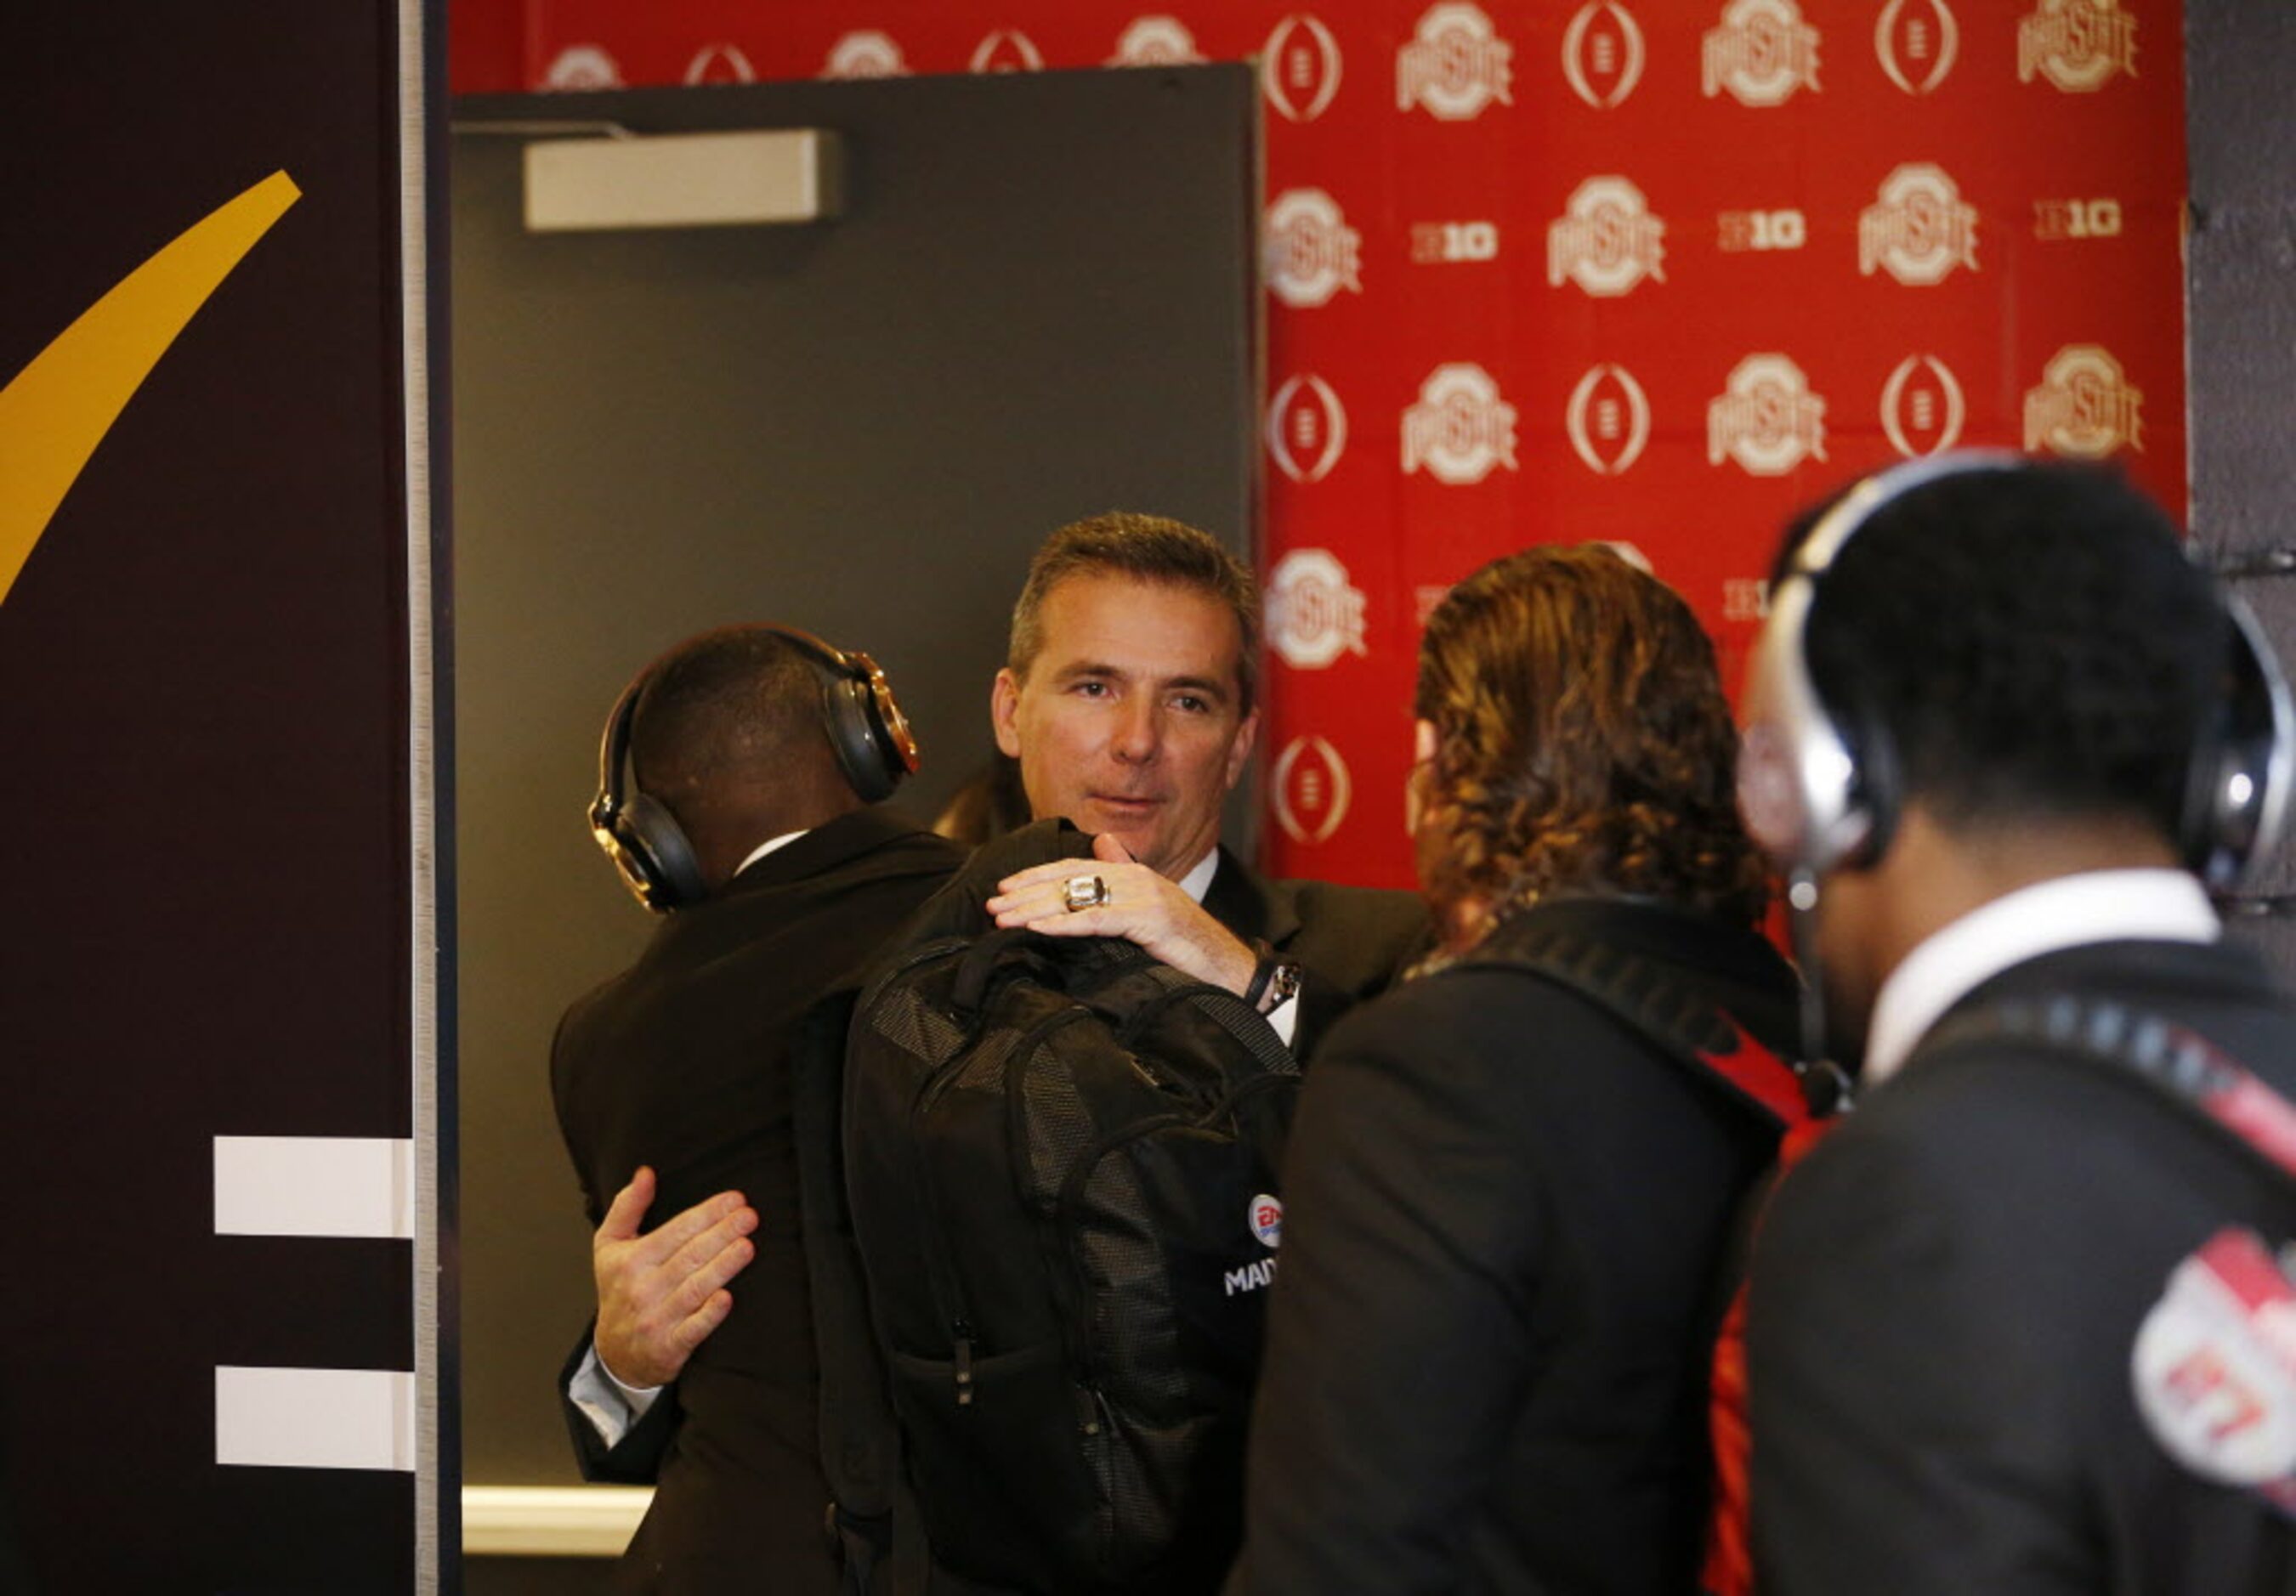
(1130, 721)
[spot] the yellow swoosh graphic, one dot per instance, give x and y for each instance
(57, 408)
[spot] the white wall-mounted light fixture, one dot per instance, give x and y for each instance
(682, 180)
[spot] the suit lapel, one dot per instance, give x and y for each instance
(1250, 906)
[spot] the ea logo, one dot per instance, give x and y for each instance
(1268, 1220)
(1310, 790)
(1299, 68)
(720, 64)
(1609, 419)
(1921, 407)
(1916, 41)
(582, 66)
(1307, 429)
(1765, 418)
(2084, 406)
(1310, 252)
(866, 53)
(1607, 241)
(1007, 50)
(1918, 227)
(1315, 614)
(1603, 54)
(1155, 42)
(2210, 1370)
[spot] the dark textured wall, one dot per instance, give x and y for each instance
(2239, 59)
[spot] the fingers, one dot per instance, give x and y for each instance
(1108, 847)
(708, 1215)
(625, 1213)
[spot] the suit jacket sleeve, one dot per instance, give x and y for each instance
(636, 1458)
(1886, 1380)
(1368, 1452)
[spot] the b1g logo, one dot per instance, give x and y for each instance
(2077, 44)
(1765, 418)
(2076, 219)
(1745, 598)
(1460, 429)
(720, 64)
(1310, 789)
(1299, 68)
(866, 53)
(582, 66)
(1156, 42)
(1736, 231)
(1310, 252)
(1921, 407)
(1603, 54)
(1607, 241)
(1916, 41)
(1267, 1220)
(1446, 241)
(1456, 66)
(1315, 614)
(1307, 429)
(1608, 419)
(2083, 407)
(1761, 53)
(1007, 50)
(1917, 229)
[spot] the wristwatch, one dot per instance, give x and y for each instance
(1275, 981)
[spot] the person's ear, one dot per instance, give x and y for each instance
(1004, 712)
(1240, 748)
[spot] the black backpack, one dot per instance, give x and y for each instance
(1060, 1163)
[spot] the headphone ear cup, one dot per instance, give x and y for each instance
(657, 847)
(861, 741)
(1875, 789)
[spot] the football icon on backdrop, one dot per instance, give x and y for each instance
(1603, 54)
(1916, 41)
(1006, 50)
(1608, 419)
(1765, 418)
(1156, 42)
(1309, 252)
(1922, 406)
(719, 63)
(866, 53)
(1456, 66)
(1307, 429)
(1299, 68)
(1310, 790)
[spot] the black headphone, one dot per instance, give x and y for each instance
(871, 736)
(1817, 799)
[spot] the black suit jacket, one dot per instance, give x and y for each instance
(682, 1062)
(1945, 1294)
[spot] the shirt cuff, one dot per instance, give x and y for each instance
(1284, 1017)
(611, 1406)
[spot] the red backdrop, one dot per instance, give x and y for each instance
(1654, 271)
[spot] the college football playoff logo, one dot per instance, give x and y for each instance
(1921, 407)
(1761, 53)
(1460, 429)
(1916, 41)
(2083, 407)
(1917, 229)
(1307, 429)
(582, 66)
(1456, 66)
(1310, 252)
(866, 53)
(1765, 418)
(1156, 42)
(1299, 68)
(1315, 614)
(1603, 54)
(2077, 44)
(1608, 419)
(719, 63)
(1007, 50)
(1607, 241)
(1309, 790)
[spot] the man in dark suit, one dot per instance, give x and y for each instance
(1995, 739)
(742, 819)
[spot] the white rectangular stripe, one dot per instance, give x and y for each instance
(314, 1186)
(678, 180)
(315, 1418)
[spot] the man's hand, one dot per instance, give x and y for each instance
(1142, 907)
(659, 1295)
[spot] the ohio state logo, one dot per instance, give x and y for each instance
(1603, 54)
(1608, 419)
(1607, 241)
(1299, 68)
(866, 53)
(1916, 41)
(2077, 44)
(1456, 66)
(1921, 407)
(1310, 790)
(1007, 50)
(1917, 229)
(1307, 429)
(719, 63)
(1460, 429)
(582, 66)
(1310, 252)
(2083, 407)
(1761, 53)
(1155, 42)
(1765, 418)
(1315, 614)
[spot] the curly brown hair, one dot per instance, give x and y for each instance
(1582, 744)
